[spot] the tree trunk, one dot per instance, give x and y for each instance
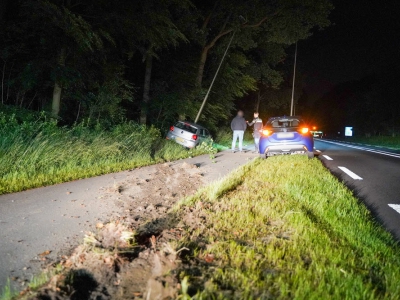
(8, 82)
(146, 89)
(257, 106)
(57, 90)
(55, 106)
(3, 8)
(200, 71)
(2, 82)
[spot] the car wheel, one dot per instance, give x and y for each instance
(310, 154)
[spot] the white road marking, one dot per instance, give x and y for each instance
(327, 157)
(396, 207)
(318, 151)
(365, 149)
(350, 173)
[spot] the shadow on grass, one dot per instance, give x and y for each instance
(83, 283)
(156, 227)
(80, 284)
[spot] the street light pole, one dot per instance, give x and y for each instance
(294, 79)
(215, 76)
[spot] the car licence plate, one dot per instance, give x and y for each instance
(180, 140)
(285, 135)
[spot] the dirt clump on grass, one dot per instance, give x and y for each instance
(132, 256)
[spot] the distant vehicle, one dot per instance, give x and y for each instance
(188, 134)
(286, 135)
(317, 134)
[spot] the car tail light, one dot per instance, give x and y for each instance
(171, 128)
(194, 137)
(304, 130)
(266, 132)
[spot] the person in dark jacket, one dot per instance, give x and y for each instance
(257, 126)
(238, 126)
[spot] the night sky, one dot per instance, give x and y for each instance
(364, 39)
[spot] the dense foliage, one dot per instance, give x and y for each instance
(36, 151)
(148, 61)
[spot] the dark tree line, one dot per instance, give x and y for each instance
(150, 61)
(371, 105)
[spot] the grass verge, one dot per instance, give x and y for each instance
(285, 228)
(383, 141)
(38, 153)
(35, 283)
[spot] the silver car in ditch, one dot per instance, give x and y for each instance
(188, 134)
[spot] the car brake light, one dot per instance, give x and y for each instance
(171, 128)
(194, 137)
(304, 130)
(266, 132)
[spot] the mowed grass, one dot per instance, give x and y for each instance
(384, 141)
(285, 228)
(39, 153)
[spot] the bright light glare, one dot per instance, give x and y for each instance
(304, 130)
(265, 132)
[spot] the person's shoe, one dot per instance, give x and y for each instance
(233, 151)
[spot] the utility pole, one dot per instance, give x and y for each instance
(294, 79)
(212, 82)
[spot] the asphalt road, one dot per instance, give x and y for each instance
(55, 218)
(372, 172)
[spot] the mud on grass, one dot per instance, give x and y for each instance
(280, 228)
(131, 256)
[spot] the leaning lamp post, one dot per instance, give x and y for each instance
(215, 76)
(294, 79)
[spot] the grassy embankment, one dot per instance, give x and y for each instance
(282, 228)
(384, 141)
(285, 228)
(36, 152)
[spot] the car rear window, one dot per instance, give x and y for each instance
(285, 123)
(186, 127)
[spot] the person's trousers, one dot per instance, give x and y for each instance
(237, 134)
(257, 143)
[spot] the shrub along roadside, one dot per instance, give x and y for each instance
(290, 231)
(39, 153)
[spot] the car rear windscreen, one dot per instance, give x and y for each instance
(285, 123)
(186, 127)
